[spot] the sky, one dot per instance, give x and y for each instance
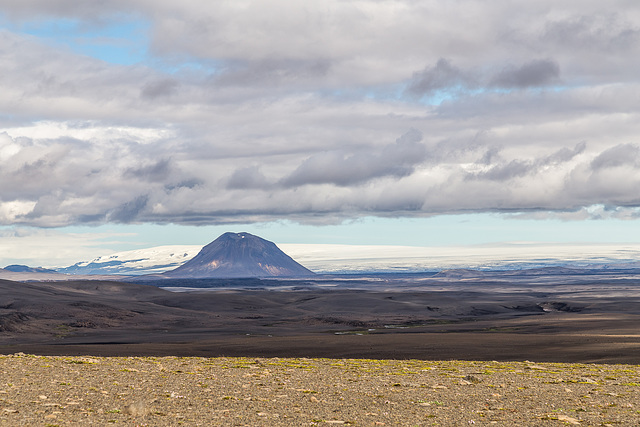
(433, 123)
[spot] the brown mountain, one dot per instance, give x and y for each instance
(239, 255)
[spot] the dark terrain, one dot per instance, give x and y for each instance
(546, 315)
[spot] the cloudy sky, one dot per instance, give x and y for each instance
(135, 123)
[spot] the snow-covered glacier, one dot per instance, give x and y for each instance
(140, 261)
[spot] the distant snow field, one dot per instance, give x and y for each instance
(352, 258)
(326, 258)
(140, 261)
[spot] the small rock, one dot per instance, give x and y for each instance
(472, 379)
(137, 409)
(42, 397)
(537, 367)
(568, 419)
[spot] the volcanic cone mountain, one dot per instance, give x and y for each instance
(239, 255)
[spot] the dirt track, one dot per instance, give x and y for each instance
(169, 391)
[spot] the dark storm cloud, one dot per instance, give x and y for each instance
(443, 75)
(273, 71)
(565, 154)
(540, 72)
(159, 88)
(129, 211)
(510, 170)
(247, 178)
(158, 171)
(344, 169)
(189, 183)
(500, 171)
(604, 31)
(620, 155)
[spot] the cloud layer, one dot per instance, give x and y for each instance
(320, 111)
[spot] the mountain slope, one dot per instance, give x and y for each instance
(240, 255)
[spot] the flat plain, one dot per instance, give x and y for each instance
(543, 316)
(547, 348)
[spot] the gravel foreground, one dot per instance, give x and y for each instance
(170, 391)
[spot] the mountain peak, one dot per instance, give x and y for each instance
(235, 236)
(240, 255)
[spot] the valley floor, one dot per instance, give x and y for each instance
(540, 318)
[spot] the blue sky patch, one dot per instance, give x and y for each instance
(123, 42)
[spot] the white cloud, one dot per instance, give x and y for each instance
(15, 209)
(298, 111)
(8, 147)
(50, 248)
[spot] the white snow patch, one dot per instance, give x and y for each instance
(145, 261)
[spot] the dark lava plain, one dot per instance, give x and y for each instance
(547, 315)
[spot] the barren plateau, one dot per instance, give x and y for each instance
(171, 391)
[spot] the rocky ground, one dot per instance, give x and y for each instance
(169, 391)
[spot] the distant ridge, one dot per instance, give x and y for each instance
(464, 273)
(240, 255)
(16, 268)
